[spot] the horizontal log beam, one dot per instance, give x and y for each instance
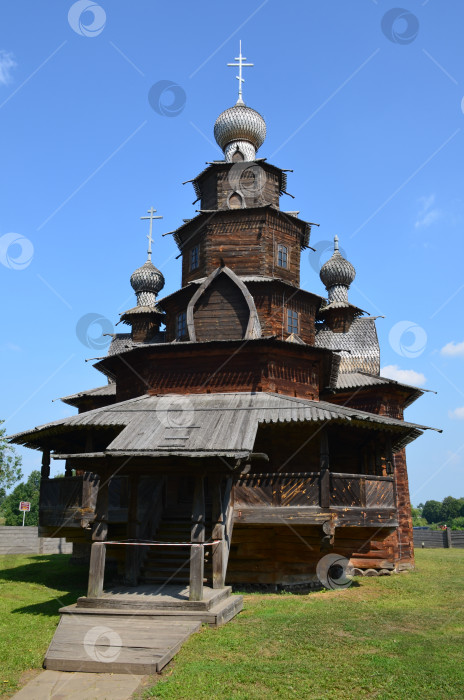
(343, 517)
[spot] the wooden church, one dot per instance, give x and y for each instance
(243, 425)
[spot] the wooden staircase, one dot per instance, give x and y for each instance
(171, 564)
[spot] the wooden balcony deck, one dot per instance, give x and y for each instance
(304, 498)
(314, 498)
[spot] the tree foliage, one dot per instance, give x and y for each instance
(26, 491)
(449, 512)
(432, 511)
(10, 465)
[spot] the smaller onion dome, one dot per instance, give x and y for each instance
(147, 281)
(237, 124)
(337, 270)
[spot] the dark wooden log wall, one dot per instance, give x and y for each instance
(272, 300)
(256, 184)
(221, 312)
(281, 554)
(247, 243)
(255, 368)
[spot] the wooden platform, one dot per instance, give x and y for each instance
(135, 630)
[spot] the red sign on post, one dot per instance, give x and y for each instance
(24, 506)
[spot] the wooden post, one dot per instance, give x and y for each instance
(324, 467)
(132, 553)
(449, 542)
(45, 471)
(221, 503)
(99, 535)
(197, 560)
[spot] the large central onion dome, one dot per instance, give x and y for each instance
(337, 274)
(146, 282)
(240, 129)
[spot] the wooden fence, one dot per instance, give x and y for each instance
(26, 540)
(438, 539)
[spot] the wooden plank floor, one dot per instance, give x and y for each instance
(149, 596)
(116, 643)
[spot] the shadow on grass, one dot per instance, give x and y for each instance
(50, 571)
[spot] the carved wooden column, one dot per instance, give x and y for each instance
(99, 535)
(197, 561)
(221, 507)
(132, 553)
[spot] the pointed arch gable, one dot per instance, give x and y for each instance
(253, 326)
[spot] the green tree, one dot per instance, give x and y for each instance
(451, 508)
(10, 465)
(417, 518)
(457, 523)
(432, 511)
(26, 491)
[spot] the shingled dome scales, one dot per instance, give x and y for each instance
(337, 274)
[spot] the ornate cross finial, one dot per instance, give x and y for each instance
(151, 211)
(239, 77)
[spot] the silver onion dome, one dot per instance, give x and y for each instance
(147, 281)
(337, 274)
(238, 124)
(337, 270)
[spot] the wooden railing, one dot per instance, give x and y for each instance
(69, 502)
(318, 489)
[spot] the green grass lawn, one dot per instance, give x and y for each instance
(387, 638)
(32, 589)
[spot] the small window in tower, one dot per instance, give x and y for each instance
(292, 321)
(282, 255)
(194, 257)
(181, 325)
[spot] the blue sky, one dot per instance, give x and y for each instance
(368, 114)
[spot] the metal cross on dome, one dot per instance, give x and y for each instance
(239, 77)
(151, 212)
